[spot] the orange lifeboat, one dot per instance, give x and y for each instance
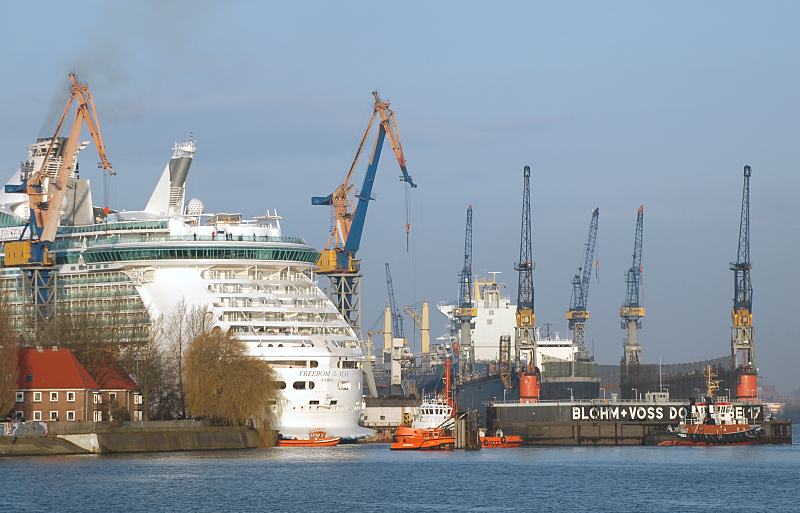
(500, 440)
(422, 439)
(316, 438)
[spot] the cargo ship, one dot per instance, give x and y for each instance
(134, 267)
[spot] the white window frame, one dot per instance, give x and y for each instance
(98, 416)
(53, 397)
(70, 397)
(19, 414)
(20, 397)
(112, 396)
(51, 416)
(37, 415)
(137, 398)
(137, 415)
(71, 415)
(37, 397)
(98, 398)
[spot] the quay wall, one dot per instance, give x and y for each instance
(96, 438)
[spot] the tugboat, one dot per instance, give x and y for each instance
(714, 422)
(432, 427)
(500, 440)
(316, 438)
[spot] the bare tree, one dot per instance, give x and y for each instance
(9, 369)
(223, 382)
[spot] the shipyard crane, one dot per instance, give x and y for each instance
(525, 333)
(46, 197)
(338, 259)
(466, 311)
(742, 343)
(632, 311)
(578, 314)
(396, 316)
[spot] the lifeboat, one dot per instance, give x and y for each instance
(316, 438)
(500, 440)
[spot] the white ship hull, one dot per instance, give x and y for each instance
(252, 281)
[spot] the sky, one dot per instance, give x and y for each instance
(612, 104)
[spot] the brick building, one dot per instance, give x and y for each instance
(54, 386)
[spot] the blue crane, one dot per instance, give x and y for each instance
(578, 313)
(397, 317)
(742, 343)
(466, 311)
(338, 259)
(632, 311)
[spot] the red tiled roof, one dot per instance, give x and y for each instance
(113, 377)
(51, 369)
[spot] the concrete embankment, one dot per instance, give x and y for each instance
(129, 437)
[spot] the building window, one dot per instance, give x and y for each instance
(20, 397)
(71, 415)
(37, 397)
(98, 399)
(112, 397)
(53, 397)
(54, 416)
(37, 415)
(299, 385)
(137, 398)
(137, 415)
(19, 415)
(71, 397)
(98, 416)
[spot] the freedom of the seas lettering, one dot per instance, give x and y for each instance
(647, 413)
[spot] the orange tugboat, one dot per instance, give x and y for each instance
(499, 440)
(714, 422)
(316, 438)
(432, 425)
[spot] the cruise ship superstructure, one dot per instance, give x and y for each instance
(136, 266)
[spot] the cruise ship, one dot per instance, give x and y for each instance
(254, 281)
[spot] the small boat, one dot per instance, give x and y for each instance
(500, 440)
(316, 438)
(422, 439)
(714, 422)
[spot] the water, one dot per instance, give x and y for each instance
(372, 478)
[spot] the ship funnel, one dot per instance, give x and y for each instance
(169, 195)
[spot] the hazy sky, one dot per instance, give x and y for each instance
(612, 104)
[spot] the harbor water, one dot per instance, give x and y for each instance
(371, 478)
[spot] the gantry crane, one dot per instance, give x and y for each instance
(46, 197)
(338, 259)
(742, 348)
(578, 314)
(525, 333)
(466, 311)
(632, 311)
(396, 316)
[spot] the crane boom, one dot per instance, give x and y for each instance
(397, 317)
(525, 333)
(578, 313)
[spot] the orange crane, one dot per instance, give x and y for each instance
(46, 195)
(338, 259)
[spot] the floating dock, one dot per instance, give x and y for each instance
(600, 422)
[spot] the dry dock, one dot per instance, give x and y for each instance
(607, 423)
